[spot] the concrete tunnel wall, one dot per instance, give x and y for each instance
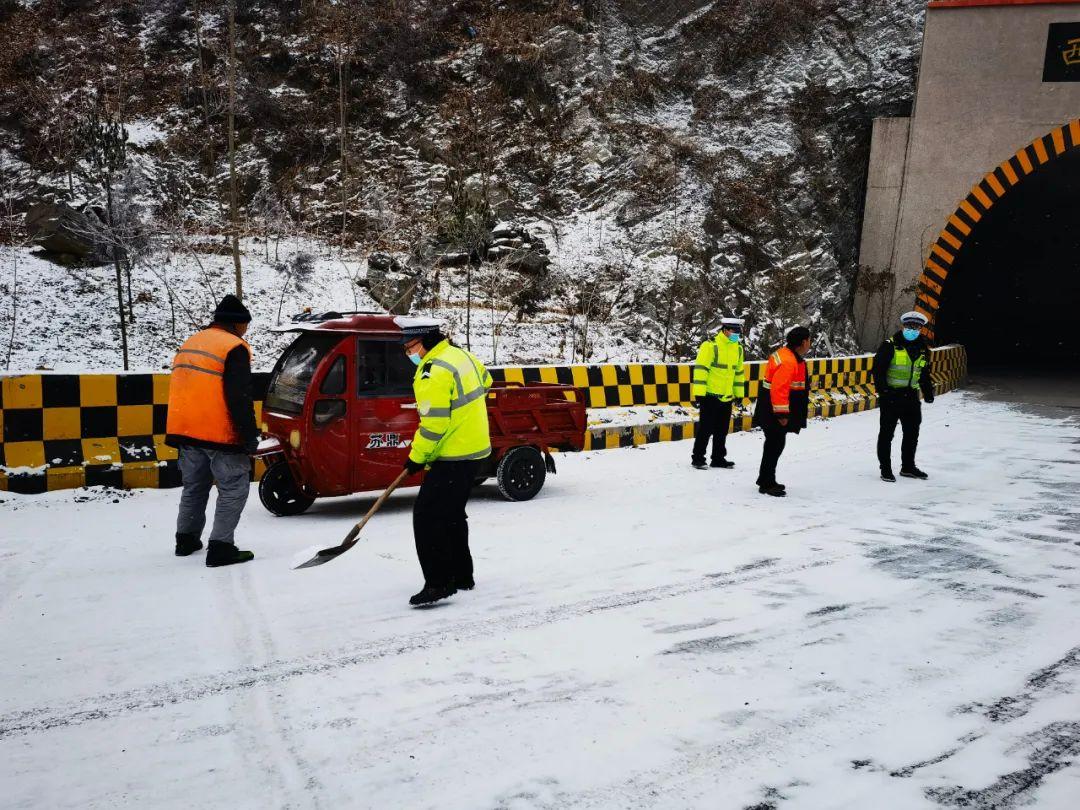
(982, 115)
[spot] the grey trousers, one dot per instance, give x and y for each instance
(200, 468)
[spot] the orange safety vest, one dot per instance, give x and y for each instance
(784, 374)
(197, 408)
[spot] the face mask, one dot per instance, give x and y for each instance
(733, 337)
(911, 334)
(415, 358)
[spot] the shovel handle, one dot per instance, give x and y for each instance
(374, 508)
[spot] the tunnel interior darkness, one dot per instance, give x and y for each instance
(1013, 292)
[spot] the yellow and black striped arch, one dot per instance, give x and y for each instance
(982, 197)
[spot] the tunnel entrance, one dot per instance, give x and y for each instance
(1013, 291)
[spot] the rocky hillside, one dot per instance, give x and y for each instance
(621, 170)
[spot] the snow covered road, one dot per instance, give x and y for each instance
(642, 635)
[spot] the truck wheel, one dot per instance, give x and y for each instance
(521, 473)
(279, 493)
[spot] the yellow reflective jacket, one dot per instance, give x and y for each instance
(719, 369)
(451, 388)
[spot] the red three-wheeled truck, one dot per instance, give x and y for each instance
(339, 415)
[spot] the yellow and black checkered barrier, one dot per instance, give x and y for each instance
(59, 431)
(839, 385)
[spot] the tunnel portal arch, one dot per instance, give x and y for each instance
(1024, 211)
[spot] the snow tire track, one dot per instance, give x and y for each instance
(104, 707)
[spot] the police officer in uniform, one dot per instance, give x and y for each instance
(901, 369)
(451, 388)
(719, 380)
(211, 422)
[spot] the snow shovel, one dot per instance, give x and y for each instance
(332, 553)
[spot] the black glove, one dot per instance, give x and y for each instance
(928, 398)
(413, 466)
(251, 445)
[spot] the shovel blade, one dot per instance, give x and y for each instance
(323, 556)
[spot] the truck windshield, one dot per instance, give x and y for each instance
(383, 370)
(292, 375)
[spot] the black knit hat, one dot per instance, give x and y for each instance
(230, 310)
(796, 336)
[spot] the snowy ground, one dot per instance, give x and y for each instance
(642, 635)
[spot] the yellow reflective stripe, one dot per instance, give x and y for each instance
(468, 456)
(469, 397)
(198, 368)
(202, 353)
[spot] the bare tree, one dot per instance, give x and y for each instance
(467, 227)
(53, 131)
(204, 88)
(500, 285)
(179, 241)
(16, 238)
(106, 141)
(342, 39)
(233, 193)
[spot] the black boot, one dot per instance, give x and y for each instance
(699, 465)
(464, 583)
(913, 472)
(723, 464)
(432, 594)
(887, 475)
(219, 554)
(187, 544)
(775, 490)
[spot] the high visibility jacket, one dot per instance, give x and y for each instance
(451, 388)
(903, 372)
(197, 406)
(719, 369)
(783, 374)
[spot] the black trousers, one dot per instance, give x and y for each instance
(775, 441)
(714, 418)
(906, 409)
(440, 525)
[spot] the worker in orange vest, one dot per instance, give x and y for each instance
(211, 421)
(782, 405)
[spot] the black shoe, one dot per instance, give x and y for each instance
(723, 464)
(465, 584)
(187, 544)
(218, 554)
(777, 484)
(886, 475)
(775, 490)
(432, 594)
(913, 472)
(699, 465)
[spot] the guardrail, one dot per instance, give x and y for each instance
(60, 431)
